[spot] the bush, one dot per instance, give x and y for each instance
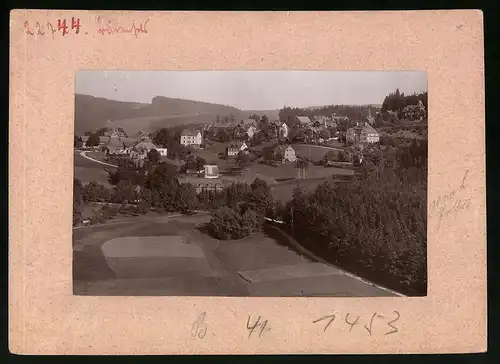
(143, 207)
(227, 223)
(95, 192)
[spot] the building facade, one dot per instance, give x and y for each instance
(285, 154)
(235, 148)
(191, 138)
(362, 134)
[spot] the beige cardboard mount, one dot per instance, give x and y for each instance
(45, 318)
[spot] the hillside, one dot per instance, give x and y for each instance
(92, 113)
(271, 114)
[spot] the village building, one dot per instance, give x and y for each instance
(370, 119)
(283, 131)
(246, 126)
(202, 184)
(116, 132)
(211, 171)
(139, 152)
(313, 132)
(103, 140)
(141, 136)
(362, 134)
(284, 154)
(84, 139)
(339, 119)
(414, 112)
(191, 138)
(330, 124)
(162, 151)
(304, 120)
(235, 148)
(118, 145)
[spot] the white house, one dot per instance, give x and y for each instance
(362, 134)
(211, 170)
(235, 148)
(251, 130)
(283, 131)
(191, 138)
(162, 151)
(285, 154)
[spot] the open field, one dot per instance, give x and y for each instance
(173, 256)
(284, 191)
(150, 124)
(314, 152)
(408, 130)
(88, 171)
(99, 155)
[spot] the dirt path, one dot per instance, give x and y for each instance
(84, 155)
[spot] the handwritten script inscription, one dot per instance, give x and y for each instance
(110, 27)
(257, 324)
(199, 328)
(452, 202)
(382, 324)
(48, 29)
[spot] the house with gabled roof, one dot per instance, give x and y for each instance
(235, 148)
(362, 134)
(284, 153)
(190, 137)
(304, 120)
(202, 184)
(247, 126)
(118, 145)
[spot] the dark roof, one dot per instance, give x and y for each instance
(304, 119)
(281, 148)
(248, 122)
(145, 145)
(189, 132)
(237, 145)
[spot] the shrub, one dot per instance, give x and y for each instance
(95, 192)
(227, 223)
(143, 207)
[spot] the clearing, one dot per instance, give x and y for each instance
(173, 256)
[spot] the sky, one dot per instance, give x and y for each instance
(252, 90)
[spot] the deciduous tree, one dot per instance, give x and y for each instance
(93, 140)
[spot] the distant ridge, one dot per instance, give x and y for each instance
(92, 113)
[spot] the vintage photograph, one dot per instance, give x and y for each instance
(250, 183)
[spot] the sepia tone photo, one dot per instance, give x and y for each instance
(250, 183)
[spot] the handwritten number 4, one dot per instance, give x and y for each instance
(263, 326)
(75, 25)
(353, 323)
(62, 25)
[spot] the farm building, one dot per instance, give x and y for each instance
(191, 138)
(284, 154)
(304, 120)
(235, 148)
(362, 134)
(202, 184)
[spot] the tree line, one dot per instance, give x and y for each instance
(397, 101)
(376, 224)
(353, 112)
